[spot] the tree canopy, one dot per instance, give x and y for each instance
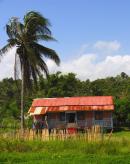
(59, 85)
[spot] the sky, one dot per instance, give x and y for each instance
(93, 35)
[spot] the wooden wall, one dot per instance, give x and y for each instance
(54, 115)
(107, 114)
(88, 115)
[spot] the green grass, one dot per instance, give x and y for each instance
(122, 134)
(115, 150)
(48, 158)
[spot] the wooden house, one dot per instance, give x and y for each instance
(74, 112)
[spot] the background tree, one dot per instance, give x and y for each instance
(25, 36)
(59, 85)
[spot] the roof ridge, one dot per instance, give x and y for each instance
(70, 97)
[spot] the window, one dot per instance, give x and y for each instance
(71, 117)
(62, 116)
(52, 115)
(81, 115)
(98, 115)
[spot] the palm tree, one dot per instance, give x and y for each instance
(25, 37)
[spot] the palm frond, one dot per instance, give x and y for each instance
(25, 36)
(9, 31)
(36, 61)
(42, 65)
(47, 52)
(43, 37)
(33, 15)
(35, 23)
(6, 48)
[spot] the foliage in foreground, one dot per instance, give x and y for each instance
(108, 147)
(116, 150)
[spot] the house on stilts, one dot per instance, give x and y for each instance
(73, 112)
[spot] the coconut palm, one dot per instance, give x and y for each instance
(25, 38)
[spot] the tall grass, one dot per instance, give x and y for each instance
(116, 150)
(111, 147)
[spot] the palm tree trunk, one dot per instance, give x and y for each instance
(22, 100)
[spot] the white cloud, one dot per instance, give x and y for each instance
(7, 64)
(86, 68)
(107, 45)
(85, 65)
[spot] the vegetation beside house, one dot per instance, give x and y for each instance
(59, 85)
(65, 130)
(74, 113)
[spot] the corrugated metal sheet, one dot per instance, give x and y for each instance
(38, 110)
(41, 106)
(31, 109)
(79, 108)
(70, 101)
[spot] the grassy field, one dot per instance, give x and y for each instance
(115, 150)
(41, 158)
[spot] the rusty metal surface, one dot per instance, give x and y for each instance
(80, 108)
(74, 101)
(73, 108)
(36, 111)
(31, 109)
(90, 103)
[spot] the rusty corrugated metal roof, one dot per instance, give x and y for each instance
(76, 101)
(72, 104)
(37, 110)
(80, 108)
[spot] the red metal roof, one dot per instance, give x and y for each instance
(80, 108)
(74, 101)
(37, 110)
(72, 104)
